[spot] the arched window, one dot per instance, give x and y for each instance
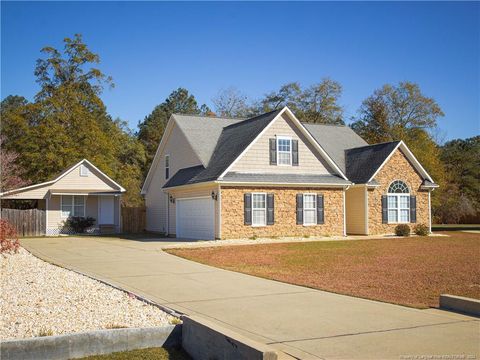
(398, 202)
(398, 187)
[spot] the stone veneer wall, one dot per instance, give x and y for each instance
(285, 213)
(398, 167)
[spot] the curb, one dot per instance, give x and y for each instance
(460, 304)
(71, 346)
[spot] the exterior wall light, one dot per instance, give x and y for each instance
(214, 196)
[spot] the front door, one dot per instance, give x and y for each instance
(106, 210)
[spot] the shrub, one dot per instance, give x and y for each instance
(421, 230)
(9, 243)
(175, 321)
(45, 332)
(402, 230)
(79, 224)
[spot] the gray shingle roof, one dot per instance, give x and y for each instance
(203, 133)
(363, 162)
(233, 139)
(334, 139)
(285, 178)
(219, 141)
(185, 176)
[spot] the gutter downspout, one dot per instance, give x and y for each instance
(344, 211)
(366, 210)
(47, 205)
(219, 204)
(429, 213)
(167, 213)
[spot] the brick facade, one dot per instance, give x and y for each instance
(232, 212)
(398, 167)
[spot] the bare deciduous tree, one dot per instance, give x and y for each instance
(231, 102)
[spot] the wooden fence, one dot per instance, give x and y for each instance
(29, 222)
(133, 219)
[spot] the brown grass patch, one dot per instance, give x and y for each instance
(409, 271)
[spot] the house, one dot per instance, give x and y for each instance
(272, 175)
(81, 190)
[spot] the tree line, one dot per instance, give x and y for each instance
(68, 121)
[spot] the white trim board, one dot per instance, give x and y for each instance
(65, 173)
(409, 156)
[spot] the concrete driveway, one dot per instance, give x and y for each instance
(303, 322)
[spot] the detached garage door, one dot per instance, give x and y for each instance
(195, 218)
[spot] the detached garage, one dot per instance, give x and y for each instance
(195, 218)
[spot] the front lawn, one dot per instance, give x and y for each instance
(406, 271)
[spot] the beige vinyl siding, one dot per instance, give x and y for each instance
(35, 193)
(55, 219)
(355, 210)
(73, 181)
(203, 191)
(257, 158)
(181, 156)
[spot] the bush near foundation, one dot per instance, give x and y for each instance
(79, 223)
(421, 230)
(9, 243)
(402, 230)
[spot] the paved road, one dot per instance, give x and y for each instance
(305, 323)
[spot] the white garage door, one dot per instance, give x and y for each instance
(195, 218)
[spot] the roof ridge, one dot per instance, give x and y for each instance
(371, 145)
(209, 116)
(336, 125)
(253, 118)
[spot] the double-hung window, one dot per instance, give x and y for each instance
(259, 209)
(284, 150)
(398, 202)
(73, 205)
(309, 209)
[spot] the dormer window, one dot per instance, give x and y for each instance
(84, 170)
(167, 166)
(284, 150)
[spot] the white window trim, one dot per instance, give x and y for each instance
(84, 171)
(398, 208)
(265, 209)
(289, 138)
(167, 156)
(73, 205)
(315, 209)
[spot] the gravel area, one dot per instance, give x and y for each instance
(37, 298)
(280, 240)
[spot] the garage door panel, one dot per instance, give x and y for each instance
(195, 218)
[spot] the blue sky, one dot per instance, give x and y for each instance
(152, 48)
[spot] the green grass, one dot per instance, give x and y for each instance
(455, 227)
(144, 354)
